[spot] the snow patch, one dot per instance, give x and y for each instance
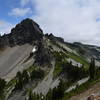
(34, 49)
(74, 63)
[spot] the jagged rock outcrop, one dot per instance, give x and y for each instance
(24, 32)
(4, 41)
(54, 38)
(43, 54)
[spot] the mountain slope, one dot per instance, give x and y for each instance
(28, 49)
(93, 90)
(17, 46)
(12, 58)
(24, 32)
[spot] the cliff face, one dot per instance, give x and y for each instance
(24, 32)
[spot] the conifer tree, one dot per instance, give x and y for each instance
(92, 69)
(31, 95)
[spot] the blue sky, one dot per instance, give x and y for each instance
(7, 6)
(74, 20)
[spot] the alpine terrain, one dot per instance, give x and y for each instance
(39, 66)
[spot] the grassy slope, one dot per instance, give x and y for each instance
(65, 55)
(80, 89)
(79, 59)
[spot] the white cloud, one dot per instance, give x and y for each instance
(75, 20)
(5, 27)
(20, 12)
(24, 2)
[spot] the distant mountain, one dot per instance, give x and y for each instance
(85, 50)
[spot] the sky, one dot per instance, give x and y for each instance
(74, 20)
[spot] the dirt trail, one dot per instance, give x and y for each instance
(93, 90)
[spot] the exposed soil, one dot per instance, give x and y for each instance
(94, 90)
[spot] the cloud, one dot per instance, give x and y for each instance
(20, 12)
(5, 27)
(24, 2)
(75, 20)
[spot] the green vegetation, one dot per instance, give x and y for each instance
(23, 78)
(94, 78)
(19, 81)
(37, 74)
(60, 59)
(79, 59)
(59, 46)
(80, 89)
(31, 68)
(34, 96)
(54, 94)
(2, 87)
(11, 83)
(30, 95)
(92, 69)
(74, 73)
(70, 72)
(2, 97)
(57, 93)
(58, 69)
(97, 73)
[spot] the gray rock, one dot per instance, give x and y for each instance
(24, 32)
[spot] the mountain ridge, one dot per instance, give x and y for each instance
(45, 57)
(24, 32)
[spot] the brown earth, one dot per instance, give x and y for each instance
(94, 90)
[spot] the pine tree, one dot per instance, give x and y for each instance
(92, 69)
(58, 93)
(25, 77)
(30, 95)
(19, 81)
(2, 85)
(61, 90)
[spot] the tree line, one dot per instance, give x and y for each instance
(54, 94)
(23, 78)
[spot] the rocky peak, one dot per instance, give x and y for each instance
(43, 54)
(24, 32)
(27, 26)
(54, 38)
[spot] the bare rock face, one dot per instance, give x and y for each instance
(43, 54)
(24, 32)
(54, 38)
(4, 41)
